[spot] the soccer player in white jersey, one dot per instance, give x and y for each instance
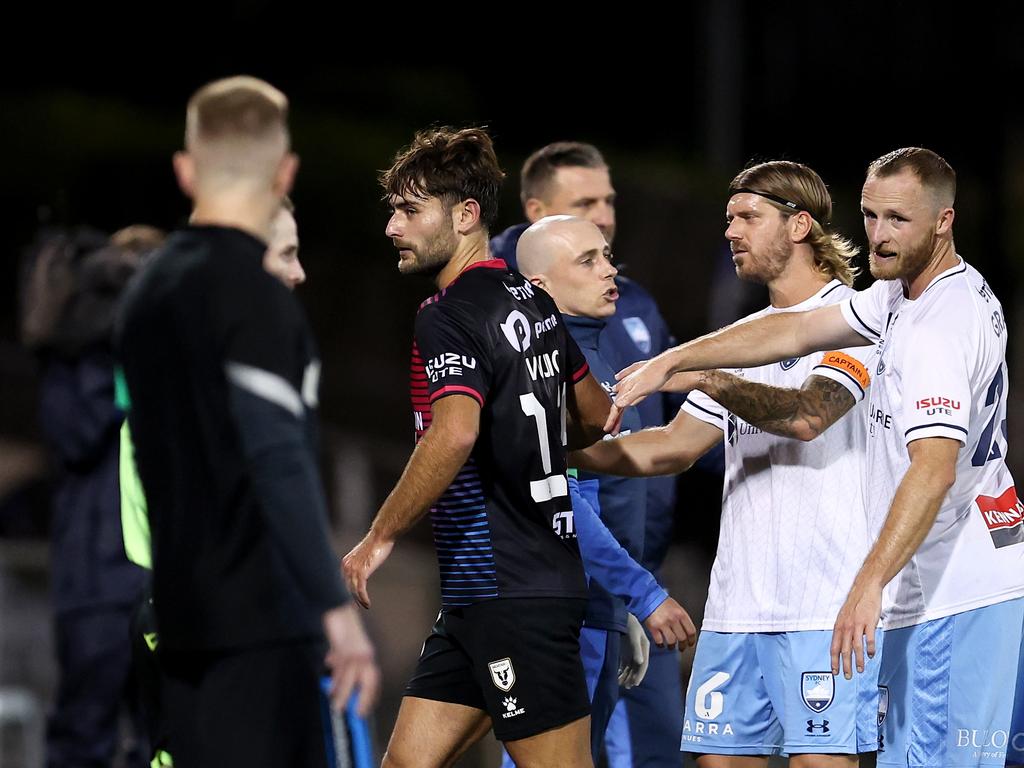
(794, 530)
(950, 552)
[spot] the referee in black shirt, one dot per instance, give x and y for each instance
(222, 373)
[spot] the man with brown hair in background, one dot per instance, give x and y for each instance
(222, 374)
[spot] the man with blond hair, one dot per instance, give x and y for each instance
(222, 373)
(761, 680)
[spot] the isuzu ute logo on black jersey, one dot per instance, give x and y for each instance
(502, 674)
(517, 330)
(448, 364)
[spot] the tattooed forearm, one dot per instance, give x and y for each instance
(801, 413)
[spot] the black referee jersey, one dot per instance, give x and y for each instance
(504, 527)
(222, 373)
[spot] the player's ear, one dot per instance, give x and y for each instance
(540, 281)
(284, 177)
(944, 223)
(185, 172)
(466, 216)
(799, 226)
(535, 210)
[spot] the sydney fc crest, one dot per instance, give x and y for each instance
(639, 333)
(502, 674)
(817, 690)
(883, 703)
(787, 364)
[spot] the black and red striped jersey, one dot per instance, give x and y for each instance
(504, 526)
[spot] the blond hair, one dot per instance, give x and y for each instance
(237, 126)
(793, 187)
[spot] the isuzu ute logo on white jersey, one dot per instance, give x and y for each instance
(817, 690)
(502, 674)
(517, 330)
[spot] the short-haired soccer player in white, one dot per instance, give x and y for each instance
(950, 551)
(794, 529)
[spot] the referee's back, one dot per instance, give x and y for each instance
(202, 333)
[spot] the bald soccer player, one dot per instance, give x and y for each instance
(571, 259)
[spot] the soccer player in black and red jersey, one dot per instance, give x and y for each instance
(494, 375)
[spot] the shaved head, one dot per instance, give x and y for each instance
(569, 258)
(547, 239)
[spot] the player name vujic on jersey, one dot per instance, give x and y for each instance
(448, 364)
(543, 366)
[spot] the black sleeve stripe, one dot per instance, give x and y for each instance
(840, 370)
(701, 408)
(867, 327)
(935, 424)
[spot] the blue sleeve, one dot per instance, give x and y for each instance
(605, 560)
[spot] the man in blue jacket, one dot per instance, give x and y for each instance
(572, 178)
(571, 259)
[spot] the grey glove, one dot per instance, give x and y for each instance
(634, 655)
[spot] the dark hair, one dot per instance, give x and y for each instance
(540, 167)
(451, 165)
(931, 170)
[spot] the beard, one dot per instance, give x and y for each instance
(770, 264)
(907, 265)
(435, 254)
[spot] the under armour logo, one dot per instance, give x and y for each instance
(509, 702)
(813, 726)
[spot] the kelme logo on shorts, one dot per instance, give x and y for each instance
(502, 674)
(817, 690)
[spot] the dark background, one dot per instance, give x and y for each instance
(679, 98)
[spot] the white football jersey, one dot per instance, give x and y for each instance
(794, 530)
(939, 370)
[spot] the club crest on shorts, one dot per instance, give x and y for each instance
(883, 703)
(817, 689)
(787, 364)
(638, 332)
(502, 674)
